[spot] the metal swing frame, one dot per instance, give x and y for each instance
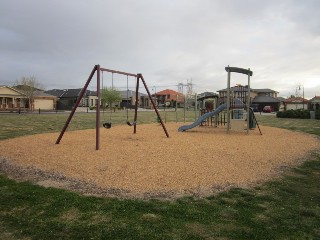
(97, 69)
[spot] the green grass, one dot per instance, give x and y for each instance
(311, 126)
(288, 208)
(15, 125)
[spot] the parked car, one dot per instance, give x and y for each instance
(267, 109)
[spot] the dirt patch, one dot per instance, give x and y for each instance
(198, 162)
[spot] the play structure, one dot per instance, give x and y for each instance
(235, 112)
(98, 70)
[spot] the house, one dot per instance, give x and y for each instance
(43, 101)
(259, 98)
(68, 97)
(295, 103)
(265, 97)
(12, 98)
(38, 98)
(207, 100)
(129, 99)
(169, 97)
(314, 103)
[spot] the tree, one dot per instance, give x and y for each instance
(28, 85)
(110, 96)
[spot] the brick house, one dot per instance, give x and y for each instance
(169, 97)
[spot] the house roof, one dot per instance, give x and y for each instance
(69, 93)
(236, 89)
(244, 88)
(42, 94)
(205, 95)
(91, 93)
(22, 87)
(264, 90)
(281, 99)
(130, 93)
(13, 89)
(167, 92)
(265, 99)
(55, 92)
(315, 99)
(296, 100)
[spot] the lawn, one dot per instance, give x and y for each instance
(288, 208)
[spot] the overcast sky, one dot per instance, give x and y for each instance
(60, 41)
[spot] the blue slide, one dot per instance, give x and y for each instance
(202, 118)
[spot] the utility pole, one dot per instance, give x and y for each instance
(302, 94)
(155, 92)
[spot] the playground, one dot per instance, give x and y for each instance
(148, 162)
(199, 162)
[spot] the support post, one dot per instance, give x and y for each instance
(76, 105)
(136, 105)
(153, 104)
(176, 108)
(98, 110)
(228, 101)
(248, 101)
(196, 107)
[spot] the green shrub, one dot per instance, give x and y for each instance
(299, 113)
(282, 114)
(318, 114)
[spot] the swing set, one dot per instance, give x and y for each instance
(108, 124)
(97, 69)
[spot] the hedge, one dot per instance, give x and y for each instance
(318, 114)
(299, 113)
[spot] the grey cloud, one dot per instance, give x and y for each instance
(168, 41)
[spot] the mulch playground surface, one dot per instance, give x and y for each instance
(198, 162)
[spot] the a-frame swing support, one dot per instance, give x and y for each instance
(97, 69)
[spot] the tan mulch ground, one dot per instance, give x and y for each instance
(198, 162)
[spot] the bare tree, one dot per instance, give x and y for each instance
(28, 85)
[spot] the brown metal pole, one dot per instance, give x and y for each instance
(98, 110)
(76, 105)
(153, 104)
(136, 106)
(119, 72)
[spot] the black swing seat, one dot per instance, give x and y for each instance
(106, 125)
(131, 124)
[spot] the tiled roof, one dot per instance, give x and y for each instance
(296, 100)
(244, 88)
(264, 90)
(265, 99)
(42, 94)
(207, 95)
(55, 92)
(235, 88)
(130, 93)
(167, 92)
(71, 93)
(91, 93)
(315, 99)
